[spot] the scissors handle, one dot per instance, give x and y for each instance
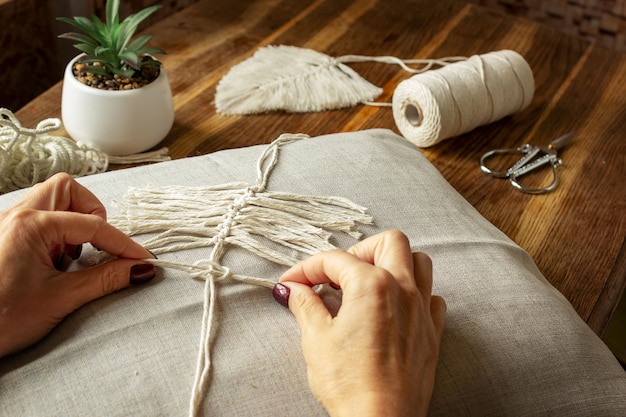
(523, 166)
(555, 162)
(529, 152)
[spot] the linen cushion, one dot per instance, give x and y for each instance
(512, 346)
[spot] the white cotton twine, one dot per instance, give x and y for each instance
(235, 214)
(29, 156)
(452, 100)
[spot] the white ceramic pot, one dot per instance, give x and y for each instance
(117, 122)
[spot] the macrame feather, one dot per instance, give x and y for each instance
(291, 79)
(302, 80)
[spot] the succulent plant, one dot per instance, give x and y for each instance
(107, 45)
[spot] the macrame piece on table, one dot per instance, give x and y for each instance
(302, 80)
(29, 156)
(234, 214)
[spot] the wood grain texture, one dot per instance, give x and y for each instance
(574, 234)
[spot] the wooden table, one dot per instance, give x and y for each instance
(575, 234)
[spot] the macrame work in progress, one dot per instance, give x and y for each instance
(29, 156)
(236, 214)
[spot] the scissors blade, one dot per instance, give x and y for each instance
(560, 142)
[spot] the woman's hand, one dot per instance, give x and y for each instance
(378, 356)
(40, 237)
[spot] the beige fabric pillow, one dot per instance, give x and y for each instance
(513, 346)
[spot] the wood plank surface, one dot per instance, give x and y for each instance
(575, 234)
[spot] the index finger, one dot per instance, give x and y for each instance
(335, 266)
(75, 229)
(391, 251)
(61, 192)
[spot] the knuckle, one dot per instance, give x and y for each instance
(412, 293)
(302, 301)
(109, 279)
(378, 282)
(20, 220)
(333, 251)
(20, 215)
(60, 183)
(61, 178)
(396, 236)
(98, 221)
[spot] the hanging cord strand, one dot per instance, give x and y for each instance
(425, 65)
(215, 272)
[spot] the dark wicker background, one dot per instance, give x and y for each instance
(602, 21)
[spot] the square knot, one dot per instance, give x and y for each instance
(239, 203)
(206, 269)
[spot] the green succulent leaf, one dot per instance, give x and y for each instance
(151, 51)
(124, 36)
(125, 73)
(135, 19)
(97, 24)
(130, 58)
(112, 12)
(79, 37)
(85, 48)
(99, 50)
(77, 22)
(139, 43)
(111, 42)
(96, 70)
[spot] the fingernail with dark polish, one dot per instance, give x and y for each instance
(141, 273)
(281, 294)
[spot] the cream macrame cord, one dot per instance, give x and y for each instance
(233, 214)
(29, 156)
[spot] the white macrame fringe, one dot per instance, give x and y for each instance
(29, 156)
(236, 214)
(303, 80)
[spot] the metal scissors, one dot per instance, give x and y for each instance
(533, 157)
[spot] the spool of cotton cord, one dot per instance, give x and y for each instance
(454, 99)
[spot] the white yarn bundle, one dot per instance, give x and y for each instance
(29, 156)
(233, 214)
(436, 105)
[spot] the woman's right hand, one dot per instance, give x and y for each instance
(378, 355)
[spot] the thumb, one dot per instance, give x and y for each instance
(81, 287)
(305, 304)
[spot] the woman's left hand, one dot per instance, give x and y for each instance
(41, 235)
